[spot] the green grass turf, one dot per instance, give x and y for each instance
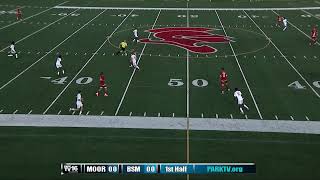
(36, 153)
(267, 73)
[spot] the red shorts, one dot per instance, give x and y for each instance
(223, 83)
(314, 38)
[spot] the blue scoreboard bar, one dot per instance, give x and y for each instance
(158, 168)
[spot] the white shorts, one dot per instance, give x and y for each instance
(12, 51)
(240, 101)
(58, 66)
(79, 104)
(285, 24)
(134, 63)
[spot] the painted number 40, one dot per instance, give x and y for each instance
(81, 81)
(298, 85)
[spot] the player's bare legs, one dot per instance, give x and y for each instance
(75, 110)
(104, 91)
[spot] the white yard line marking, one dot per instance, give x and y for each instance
(310, 14)
(59, 112)
(15, 112)
(185, 9)
(315, 92)
(87, 113)
(276, 117)
(88, 61)
(101, 113)
(188, 97)
(26, 37)
(31, 16)
(75, 32)
(242, 73)
(307, 118)
(134, 71)
(30, 112)
(297, 28)
(291, 118)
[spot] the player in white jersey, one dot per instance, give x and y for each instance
(59, 65)
(285, 23)
(13, 52)
(135, 35)
(238, 95)
(133, 60)
(79, 104)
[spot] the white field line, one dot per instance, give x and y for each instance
(182, 9)
(242, 73)
(188, 75)
(22, 72)
(88, 61)
(134, 71)
(31, 16)
(201, 124)
(188, 98)
(315, 92)
(39, 30)
(308, 36)
(310, 14)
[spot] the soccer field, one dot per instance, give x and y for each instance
(277, 72)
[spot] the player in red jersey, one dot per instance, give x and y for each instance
(223, 80)
(19, 13)
(102, 85)
(314, 36)
(279, 21)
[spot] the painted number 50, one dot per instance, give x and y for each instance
(175, 82)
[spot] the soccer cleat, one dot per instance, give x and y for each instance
(105, 94)
(97, 94)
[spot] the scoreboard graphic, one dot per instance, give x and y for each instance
(157, 168)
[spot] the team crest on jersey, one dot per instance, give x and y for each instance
(194, 39)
